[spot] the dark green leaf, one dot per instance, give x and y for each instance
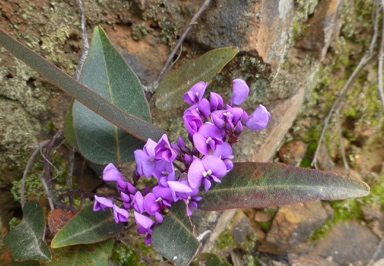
(87, 227)
(135, 126)
(25, 263)
(91, 254)
(26, 239)
(174, 238)
(260, 185)
(107, 73)
(172, 87)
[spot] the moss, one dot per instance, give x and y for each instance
(225, 240)
(343, 211)
(125, 256)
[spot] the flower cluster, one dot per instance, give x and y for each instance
(213, 127)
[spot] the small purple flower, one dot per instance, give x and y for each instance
(157, 200)
(209, 168)
(111, 173)
(144, 226)
(163, 171)
(196, 93)
(125, 186)
(224, 152)
(163, 150)
(120, 214)
(258, 119)
(207, 138)
(127, 199)
(145, 158)
(216, 101)
(102, 203)
(182, 190)
(240, 92)
(228, 117)
(138, 202)
(192, 121)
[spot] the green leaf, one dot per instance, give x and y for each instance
(172, 87)
(174, 238)
(26, 239)
(106, 72)
(92, 254)
(209, 259)
(260, 185)
(87, 227)
(135, 126)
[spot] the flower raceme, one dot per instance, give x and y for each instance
(213, 127)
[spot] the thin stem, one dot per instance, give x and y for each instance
(27, 168)
(346, 166)
(380, 60)
(47, 180)
(68, 179)
(84, 37)
(180, 41)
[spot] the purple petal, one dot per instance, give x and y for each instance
(143, 221)
(102, 203)
(204, 108)
(138, 202)
(216, 101)
(196, 93)
(258, 119)
(111, 173)
(195, 173)
(120, 214)
(214, 164)
(164, 150)
(144, 163)
(240, 92)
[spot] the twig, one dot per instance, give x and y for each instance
(153, 87)
(346, 166)
(84, 37)
(380, 60)
(68, 179)
(337, 104)
(47, 181)
(27, 168)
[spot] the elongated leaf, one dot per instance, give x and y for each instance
(92, 254)
(87, 227)
(133, 125)
(106, 72)
(69, 130)
(169, 93)
(260, 185)
(174, 237)
(26, 240)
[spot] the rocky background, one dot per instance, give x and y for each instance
(295, 55)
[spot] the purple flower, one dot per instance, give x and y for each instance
(111, 174)
(144, 226)
(240, 92)
(229, 117)
(138, 202)
(207, 138)
(192, 121)
(125, 186)
(209, 168)
(196, 93)
(163, 150)
(224, 152)
(157, 200)
(163, 171)
(145, 158)
(127, 199)
(216, 101)
(120, 214)
(102, 203)
(258, 119)
(182, 190)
